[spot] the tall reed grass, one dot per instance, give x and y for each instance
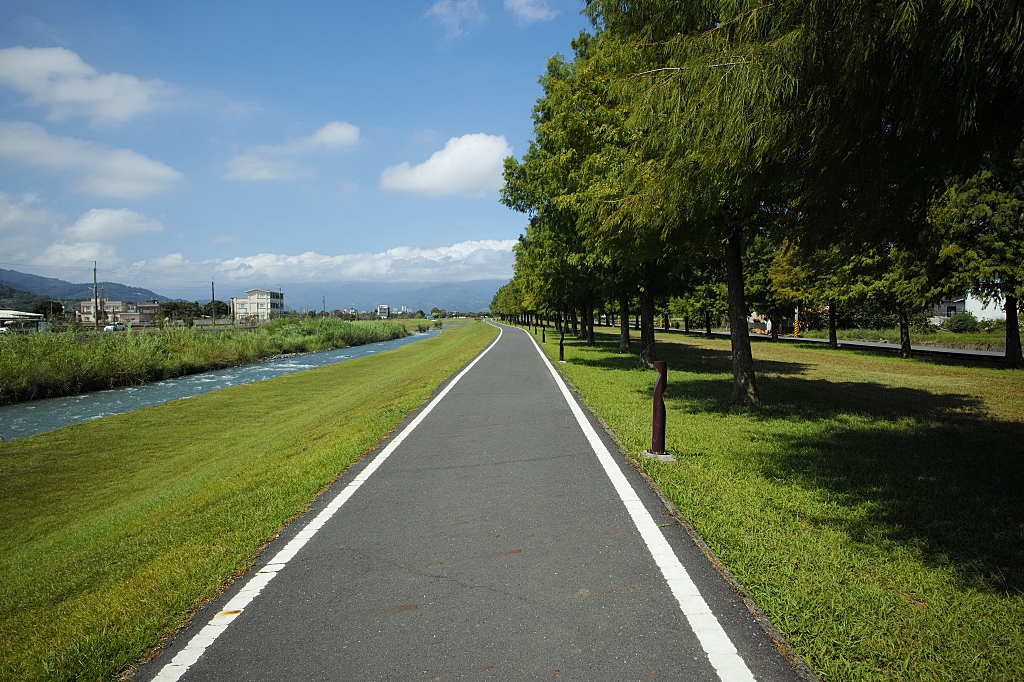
(54, 364)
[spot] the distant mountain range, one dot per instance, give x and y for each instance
(471, 296)
(61, 290)
(13, 299)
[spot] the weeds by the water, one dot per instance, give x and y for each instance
(52, 364)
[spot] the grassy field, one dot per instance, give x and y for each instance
(66, 363)
(113, 531)
(980, 340)
(872, 506)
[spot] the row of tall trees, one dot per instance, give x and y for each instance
(862, 150)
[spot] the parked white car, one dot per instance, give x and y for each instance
(115, 327)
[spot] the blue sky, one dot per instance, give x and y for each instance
(262, 144)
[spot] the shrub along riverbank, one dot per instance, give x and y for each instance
(45, 364)
(106, 546)
(872, 506)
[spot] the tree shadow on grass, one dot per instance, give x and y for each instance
(683, 358)
(950, 486)
(929, 471)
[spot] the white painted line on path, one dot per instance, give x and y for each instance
(172, 671)
(716, 643)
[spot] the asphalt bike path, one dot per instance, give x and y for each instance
(496, 534)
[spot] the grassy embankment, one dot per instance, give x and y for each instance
(872, 506)
(51, 364)
(113, 531)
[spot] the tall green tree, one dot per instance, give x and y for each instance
(982, 222)
(854, 111)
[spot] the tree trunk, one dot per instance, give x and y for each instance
(574, 323)
(774, 317)
(904, 333)
(686, 323)
(1013, 353)
(707, 323)
(624, 324)
(833, 341)
(744, 385)
(590, 325)
(647, 351)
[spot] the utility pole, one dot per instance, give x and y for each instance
(323, 300)
(95, 300)
(213, 307)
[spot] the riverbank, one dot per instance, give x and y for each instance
(107, 546)
(47, 365)
(868, 506)
(27, 418)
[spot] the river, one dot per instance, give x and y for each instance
(38, 416)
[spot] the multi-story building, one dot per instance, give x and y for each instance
(383, 311)
(128, 312)
(259, 304)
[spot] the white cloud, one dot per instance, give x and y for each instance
(453, 14)
(528, 11)
(265, 162)
(58, 78)
(118, 173)
(23, 222)
(253, 167)
(334, 135)
(470, 164)
(108, 224)
(485, 259)
(22, 213)
(69, 254)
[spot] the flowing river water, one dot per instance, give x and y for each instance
(38, 416)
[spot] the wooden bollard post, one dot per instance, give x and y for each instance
(657, 450)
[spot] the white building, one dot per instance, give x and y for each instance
(383, 311)
(992, 311)
(259, 304)
(129, 312)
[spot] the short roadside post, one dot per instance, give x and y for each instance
(657, 450)
(543, 336)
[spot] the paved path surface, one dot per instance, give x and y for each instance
(493, 543)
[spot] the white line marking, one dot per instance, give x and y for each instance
(716, 643)
(173, 670)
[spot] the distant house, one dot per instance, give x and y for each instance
(146, 312)
(260, 304)
(383, 311)
(947, 307)
(128, 312)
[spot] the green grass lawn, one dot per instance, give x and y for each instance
(113, 531)
(872, 506)
(980, 340)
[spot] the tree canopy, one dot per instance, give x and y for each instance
(792, 152)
